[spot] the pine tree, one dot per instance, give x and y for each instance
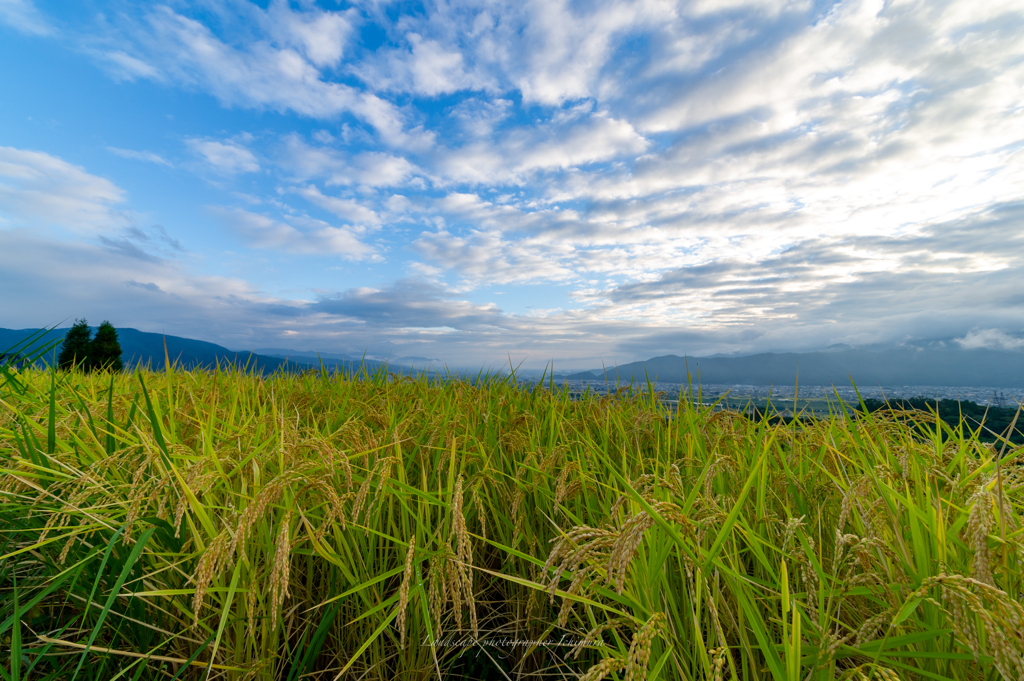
(75, 351)
(105, 350)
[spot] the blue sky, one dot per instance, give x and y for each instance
(476, 181)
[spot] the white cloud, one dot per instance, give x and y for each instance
(37, 189)
(282, 74)
(780, 77)
(436, 70)
(566, 46)
(378, 169)
(337, 167)
(769, 8)
(260, 231)
(227, 157)
(599, 138)
(426, 67)
(485, 256)
(23, 16)
(990, 339)
(147, 156)
(320, 35)
(577, 138)
(550, 51)
(478, 117)
(346, 209)
(124, 66)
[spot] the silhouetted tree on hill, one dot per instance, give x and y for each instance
(105, 350)
(75, 351)
(87, 353)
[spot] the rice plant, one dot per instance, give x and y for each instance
(198, 524)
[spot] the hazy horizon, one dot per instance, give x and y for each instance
(950, 362)
(484, 182)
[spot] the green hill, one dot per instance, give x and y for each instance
(148, 349)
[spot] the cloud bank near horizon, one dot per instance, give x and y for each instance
(471, 180)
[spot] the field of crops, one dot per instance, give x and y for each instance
(222, 525)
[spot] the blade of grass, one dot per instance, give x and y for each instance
(224, 615)
(367, 642)
(125, 571)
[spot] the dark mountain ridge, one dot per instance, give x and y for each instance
(923, 367)
(148, 349)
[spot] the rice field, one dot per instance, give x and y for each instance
(197, 524)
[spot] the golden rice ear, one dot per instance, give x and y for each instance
(629, 539)
(979, 525)
(604, 669)
(439, 593)
(403, 591)
(461, 564)
(280, 573)
(210, 565)
(481, 515)
(640, 647)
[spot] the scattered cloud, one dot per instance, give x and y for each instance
(151, 245)
(409, 304)
(346, 209)
(575, 139)
(990, 339)
(550, 52)
(38, 189)
(425, 67)
(479, 117)
(127, 248)
(320, 36)
(336, 167)
(124, 67)
(315, 237)
(281, 69)
(147, 156)
(226, 157)
(146, 287)
(485, 256)
(23, 16)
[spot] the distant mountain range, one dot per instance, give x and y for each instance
(315, 357)
(899, 366)
(140, 347)
(919, 367)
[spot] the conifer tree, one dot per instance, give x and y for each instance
(105, 350)
(75, 351)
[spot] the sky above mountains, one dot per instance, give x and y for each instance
(477, 181)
